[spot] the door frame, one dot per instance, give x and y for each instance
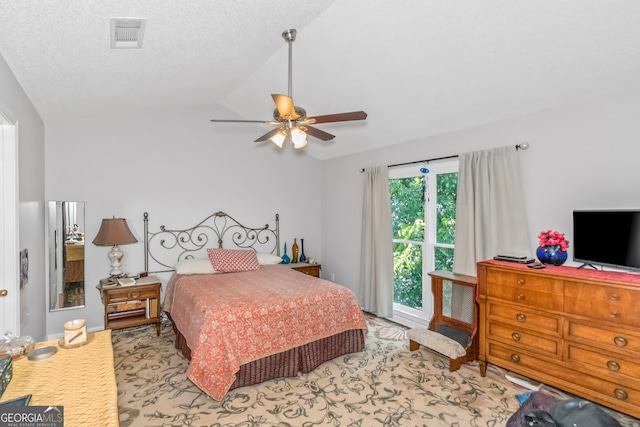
(10, 243)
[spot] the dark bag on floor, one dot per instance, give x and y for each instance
(571, 413)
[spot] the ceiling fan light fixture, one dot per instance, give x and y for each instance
(278, 138)
(298, 137)
(291, 120)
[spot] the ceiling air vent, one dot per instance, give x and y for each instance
(127, 33)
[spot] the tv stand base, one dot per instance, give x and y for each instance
(588, 265)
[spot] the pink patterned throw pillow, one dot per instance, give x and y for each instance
(233, 260)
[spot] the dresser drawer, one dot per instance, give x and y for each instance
(615, 394)
(521, 338)
(599, 363)
(612, 304)
(532, 282)
(134, 293)
(525, 318)
(513, 358)
(531, 298)
(521, 288)
(608, 392)
(594, 334)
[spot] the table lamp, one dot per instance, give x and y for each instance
(113, 232)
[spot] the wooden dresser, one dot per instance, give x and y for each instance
(574, 329)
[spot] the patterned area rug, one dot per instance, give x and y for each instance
(384, 385)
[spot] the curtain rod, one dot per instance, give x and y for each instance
(521, 146)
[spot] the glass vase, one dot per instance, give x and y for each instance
(285, 257)
(294, 252)
(551, 255)
(302, 258)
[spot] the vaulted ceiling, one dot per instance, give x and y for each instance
(417, 67)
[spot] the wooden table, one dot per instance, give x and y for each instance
(306, 268)
(135, 305)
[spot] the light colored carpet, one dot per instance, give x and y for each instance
(384, 385)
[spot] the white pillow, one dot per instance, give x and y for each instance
(194, 266)
(266, 259)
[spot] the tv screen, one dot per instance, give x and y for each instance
(607, 238)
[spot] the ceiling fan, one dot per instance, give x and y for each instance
(291, 121)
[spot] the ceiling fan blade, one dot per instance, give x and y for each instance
(285, 107)
(320, 134)
(270, 122)
(267, 135)
(342, 117)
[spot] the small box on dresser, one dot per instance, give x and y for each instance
(573, 329)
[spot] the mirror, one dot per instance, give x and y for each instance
(66, 255)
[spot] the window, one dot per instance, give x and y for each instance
(423, 208)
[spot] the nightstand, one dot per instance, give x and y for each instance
(134, 305)
(306, 268)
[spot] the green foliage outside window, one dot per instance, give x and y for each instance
(407, 208)
(407, 211)
(447, 186)
(407, 272)
(407, 215)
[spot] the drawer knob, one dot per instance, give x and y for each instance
(133, 295)
(520, 281)
(515, 336)
(620, 394)
(613, 365)
(620, 341)
(515, 358)
(614, 314)
(615, 297)
(521, 317)
(520, 296)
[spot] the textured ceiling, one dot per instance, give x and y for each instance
(417, 67)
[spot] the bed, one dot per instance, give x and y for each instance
(240, 316)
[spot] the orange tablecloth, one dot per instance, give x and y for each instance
(81, 379)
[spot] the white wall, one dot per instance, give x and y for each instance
(179, 167)
(580, 157)
(30, 131)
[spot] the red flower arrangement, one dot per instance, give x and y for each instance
(553, 238)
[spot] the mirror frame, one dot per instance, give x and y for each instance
(66, 255)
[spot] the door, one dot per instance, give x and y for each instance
(9, 252)
(423, 203)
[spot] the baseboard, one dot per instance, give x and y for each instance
(408, 320)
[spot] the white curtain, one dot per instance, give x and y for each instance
(490, 214)
(376, 264)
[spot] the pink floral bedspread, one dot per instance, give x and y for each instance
(230, 319)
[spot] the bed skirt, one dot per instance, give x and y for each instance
(290, 362)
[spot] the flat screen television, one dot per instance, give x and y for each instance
(608, 238)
